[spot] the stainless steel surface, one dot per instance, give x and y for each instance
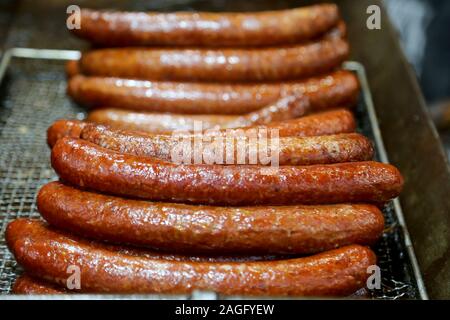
(35, 96)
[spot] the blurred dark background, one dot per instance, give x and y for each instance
(424, 29)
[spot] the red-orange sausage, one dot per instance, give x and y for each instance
(244, 147)
(207, 229)
(72, 68)
(219, 65)
(340, 31)
(206, 28)
(102, 269)
(331, 122)
(326, 123)
(64, 128)
(26, 284)
(285, 108)
(85, 164)
(340, 88)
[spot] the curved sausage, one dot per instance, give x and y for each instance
(326, 123)
(285, 108)
(205, 28)
(340, 88)
(64, 128)
(26, 284)
(217, 65)
(241, 148)
(340, 31)
(85, 164)
(331, 122)
(334, 273)
(206, 229)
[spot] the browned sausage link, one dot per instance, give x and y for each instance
(26, 284)
(72, 68)
(244, 146)
(340, 31)
(326, 123)
(285, 108)
(207, 229)
(64, 128)
(319, 124)
(333, 273)
(85, 164)
(221, 65)
(340, 88)
(206, 29)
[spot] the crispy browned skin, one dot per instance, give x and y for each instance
(326, 123)
(340, 88)
(340, 31)
(26, 284)
(85, 164)
(207, 229)
(64, 128)
(287, 150)
(334, 273)
(285, 108)
(206, 28)
(219, 65)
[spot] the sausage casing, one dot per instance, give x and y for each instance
(206, 229)
(26, 284)
(287, 150)
(285, 108)
(218, 65)
(85, 164)
(326, 123)
(340, 88)
(102, 269)
(205, 28)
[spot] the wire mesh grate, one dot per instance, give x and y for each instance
(33, 95)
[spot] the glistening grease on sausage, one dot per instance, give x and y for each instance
(64, 128)
(243, 145)
(207, 29)
(85, 164)
(219, 65)
(285, 108)
(326, 123)
(104, 269)
(339, 88)
(25, 284)
(207, 229)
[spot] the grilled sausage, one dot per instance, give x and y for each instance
(47, 253)
(243, 148)
(207, 29)
(340, 88)
(64, 128)
(219, 65)
(26, 284)
(331, 122)
(285, 108)
(85, 164)
(326, 123)
(209, 230)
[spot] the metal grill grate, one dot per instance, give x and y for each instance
(32, 96)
